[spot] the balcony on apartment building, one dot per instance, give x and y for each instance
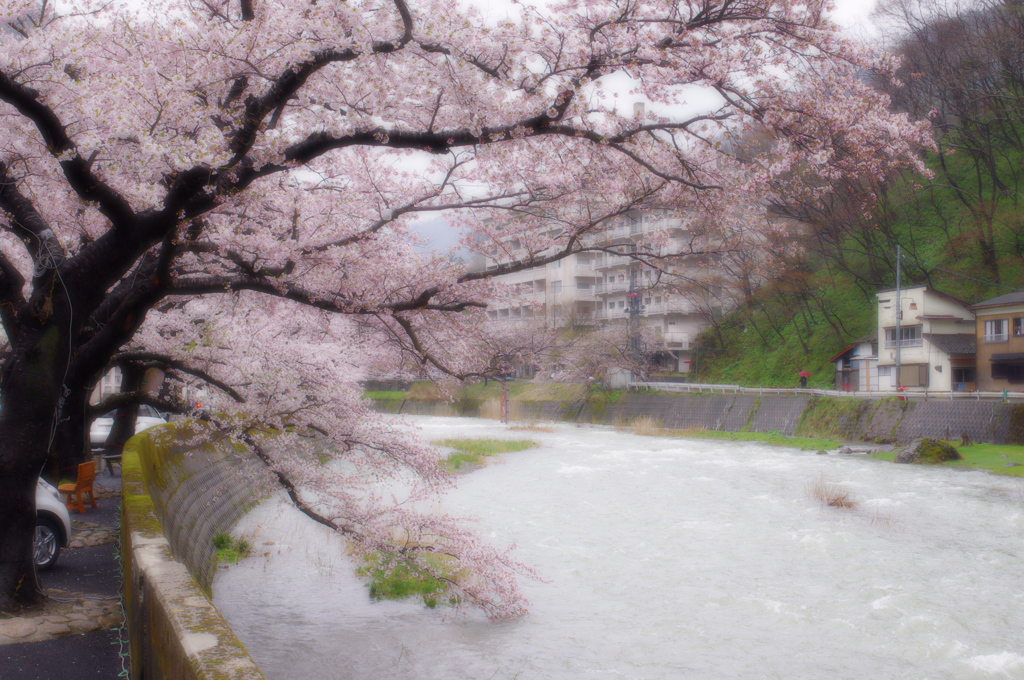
(611, 287)
(674, 339)
(673, 306)
(612, 314)
(607, 261)
(634, 225)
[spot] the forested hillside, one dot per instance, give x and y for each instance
(962, 230)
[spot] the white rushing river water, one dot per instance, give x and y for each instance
(668, 558)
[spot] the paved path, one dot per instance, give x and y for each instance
(80, 639)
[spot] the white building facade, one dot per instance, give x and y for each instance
(936, 341)
(594, 287)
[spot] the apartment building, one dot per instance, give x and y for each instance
(594, 287)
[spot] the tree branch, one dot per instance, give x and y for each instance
(77, 170)
(154, 360)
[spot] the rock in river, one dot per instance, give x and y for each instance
(927, 450)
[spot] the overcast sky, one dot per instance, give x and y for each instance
(854, 15)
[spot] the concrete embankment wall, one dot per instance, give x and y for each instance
(174, 500)
(882, 420)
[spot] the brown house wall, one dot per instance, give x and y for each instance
(1014, 344)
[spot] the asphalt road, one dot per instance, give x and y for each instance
(81, 570)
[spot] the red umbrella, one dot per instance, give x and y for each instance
(805, 374)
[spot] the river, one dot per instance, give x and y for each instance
(667, 558)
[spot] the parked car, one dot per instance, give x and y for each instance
(148, 417)
(53, 525)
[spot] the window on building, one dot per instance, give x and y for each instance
(995, 330)
(910, 336)
(1011, 373)
(914, 375)
(884, 371)
(647, 301)
(622, 303)
(556, 286)
(963, 379)
(1018, 327)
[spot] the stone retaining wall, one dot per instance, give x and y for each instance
(172, 506)
(883, 420)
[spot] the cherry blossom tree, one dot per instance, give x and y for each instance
(225, 189)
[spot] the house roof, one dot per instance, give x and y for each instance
(843, 352)
(928, 290)
(870, 337)
(1008, 299)
(953, 343)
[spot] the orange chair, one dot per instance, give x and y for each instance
(76, 492)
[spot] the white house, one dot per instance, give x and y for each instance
(936, 341)
(857, 365)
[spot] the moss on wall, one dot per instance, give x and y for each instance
(1015, 430)
(832, 417)
(175, 633)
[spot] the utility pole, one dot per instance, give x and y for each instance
(899, 318)
(633, 324)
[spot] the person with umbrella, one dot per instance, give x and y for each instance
(804, 375)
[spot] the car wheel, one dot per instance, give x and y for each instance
(47, 543)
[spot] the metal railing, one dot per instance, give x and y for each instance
(911, 394)
(613, 287)
(905, 342)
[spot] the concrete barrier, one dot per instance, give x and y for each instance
(791, 413)
(174, 500)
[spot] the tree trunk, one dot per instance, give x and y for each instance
(71, 443)
(18, 584)
(30, 408)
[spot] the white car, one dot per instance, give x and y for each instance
(53, 525)
(148, 417)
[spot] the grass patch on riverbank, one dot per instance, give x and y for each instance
(384, 395)
(476, 451)
(230, 549)
(772, 438)
(393, 577)
(995, 458)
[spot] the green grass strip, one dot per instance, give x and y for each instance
(384, 395)
(474, 451)
(772, 438)
(394, 577)
(998, 459)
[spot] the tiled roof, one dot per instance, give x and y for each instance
(953, 343)
(1008, 299)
